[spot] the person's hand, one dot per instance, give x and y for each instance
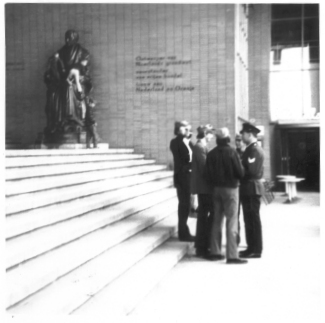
(80, 95)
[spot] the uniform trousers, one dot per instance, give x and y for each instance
(253, 226)
(184, 203)
(204, 222)
(225, 203)
(238, 235)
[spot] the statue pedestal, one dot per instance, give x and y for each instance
(76, 137)
(102, 145)
(73, 138)
(70, 140)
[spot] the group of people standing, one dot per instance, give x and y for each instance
(223, 179)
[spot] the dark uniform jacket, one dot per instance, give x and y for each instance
(181, 156)
(223, 166)
(253, 159)
(199, 180)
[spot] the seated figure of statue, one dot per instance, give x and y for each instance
(68, 83)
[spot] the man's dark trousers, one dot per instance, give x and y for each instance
(184, 203)
(204, 222)
(253, 226)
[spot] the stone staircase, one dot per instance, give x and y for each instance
(87, 231)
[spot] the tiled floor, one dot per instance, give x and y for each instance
(282, 286)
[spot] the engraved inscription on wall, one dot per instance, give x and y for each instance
(162, 74)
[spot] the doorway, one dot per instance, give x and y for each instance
(301, 156)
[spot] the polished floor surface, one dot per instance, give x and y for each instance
(282, 286)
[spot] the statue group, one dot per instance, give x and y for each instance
(69, 106)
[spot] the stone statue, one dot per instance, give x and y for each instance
(68, 87)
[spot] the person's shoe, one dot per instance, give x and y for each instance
(251, 255)
(244, 253)
(215, 257)
(202, 253)
(187, 239)
(236, 261)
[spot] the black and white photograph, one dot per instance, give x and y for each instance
(161, 162)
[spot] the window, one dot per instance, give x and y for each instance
(295, 26)
(294, 61)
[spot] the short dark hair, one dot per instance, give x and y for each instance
(201, 135)
(177, 125)
(72, 36)
(223, 141)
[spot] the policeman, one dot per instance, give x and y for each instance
(251, 190)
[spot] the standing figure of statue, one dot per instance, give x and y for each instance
(68, 85)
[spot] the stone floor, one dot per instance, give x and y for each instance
(283, 286)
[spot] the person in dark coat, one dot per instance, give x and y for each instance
(181, 148)
(203, 189)
(240, 148)
(224, 170)
(251, 190)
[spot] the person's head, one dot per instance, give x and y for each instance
(249, 133)
(71, 37)
(182, 128)
(205, 132)
(188, 132)
(223, 136)
(238, 141)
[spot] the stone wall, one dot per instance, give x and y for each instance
(194, 44)
(151, 64)
(259, 46)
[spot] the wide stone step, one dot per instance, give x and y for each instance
(36, 218)
(120, 297)
(28, 246)
(65, 152)
(51, 170)
(67, 146)
(38, 199)
(30, 277)
(69, 159)
(73, 290)
(35, 184)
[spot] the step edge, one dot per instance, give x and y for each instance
(56, 183)
(59, 172)
(78, 234)
(12, 153)
(18, 208)
(96, 206)
(57, 163)
(174, 258)
(96, 254)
